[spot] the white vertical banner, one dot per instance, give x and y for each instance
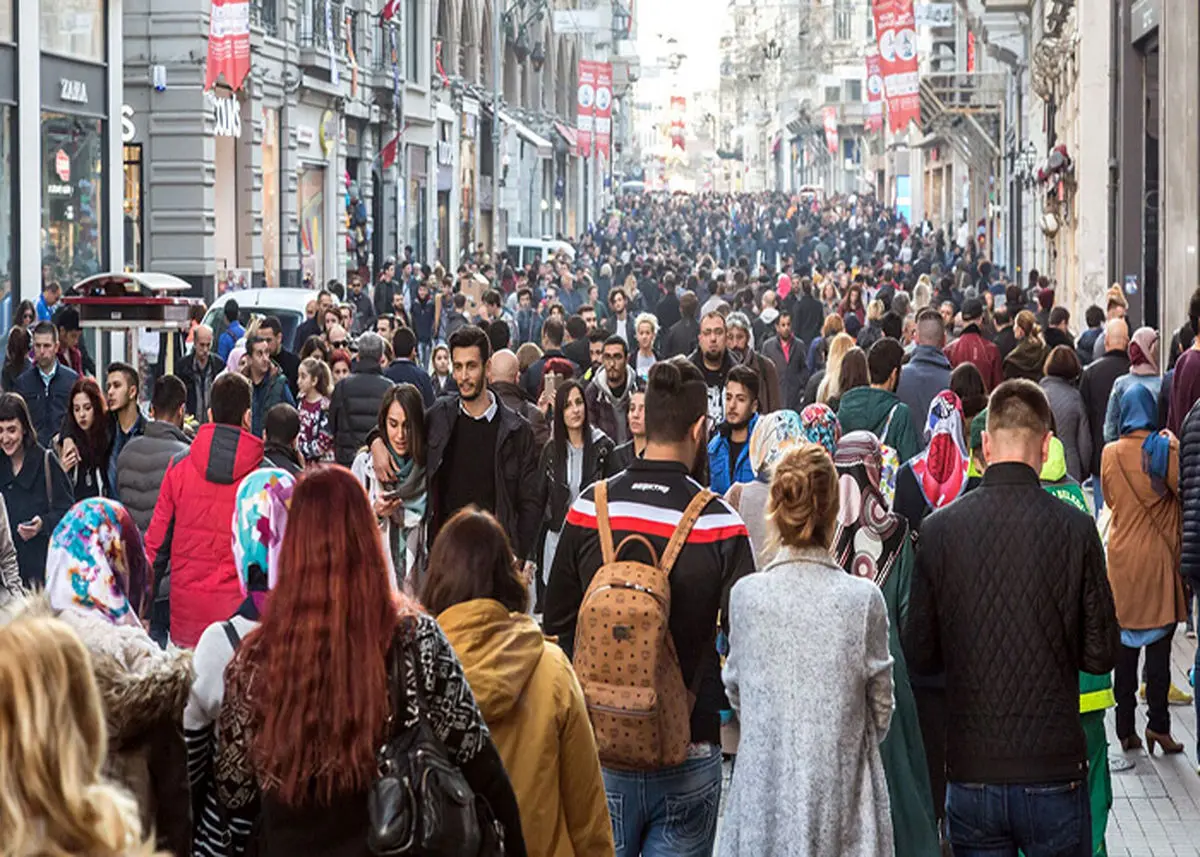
(335, 71)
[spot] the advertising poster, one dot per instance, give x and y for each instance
(896, 31)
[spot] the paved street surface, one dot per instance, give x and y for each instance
(1156, 805)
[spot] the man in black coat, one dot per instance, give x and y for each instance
(684, 335)
(271, 330)
(808, 315)
(404, 369)
(478, 451)
(354, 407)
(197, 371)
(46, 385)
(1095, 387)
(552, 339)
(1010, 598)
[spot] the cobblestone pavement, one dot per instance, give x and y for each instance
(1156, 804)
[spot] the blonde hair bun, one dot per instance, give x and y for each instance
(804, 497)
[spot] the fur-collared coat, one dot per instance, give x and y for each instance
(143, 690)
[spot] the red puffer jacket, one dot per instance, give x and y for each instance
(192, 527)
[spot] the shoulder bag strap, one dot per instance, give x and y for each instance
(600, 498)
(231, 634)
(887, 427)
(686, 523)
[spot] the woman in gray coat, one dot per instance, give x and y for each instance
(810, 676)
(1071, 425)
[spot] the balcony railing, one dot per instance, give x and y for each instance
(265, 13)
(318, 30)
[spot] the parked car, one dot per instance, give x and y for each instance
(285, 304)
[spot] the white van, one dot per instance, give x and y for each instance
(522, 251)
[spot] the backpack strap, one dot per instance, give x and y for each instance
(231, 634)
(686, 523)
(600, 498)
(887, 427)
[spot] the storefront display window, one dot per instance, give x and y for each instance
(6, 20)
(74, 28)
(270, 196)
(72, 196)
(311, 198)
(133, 208)
(8, 230)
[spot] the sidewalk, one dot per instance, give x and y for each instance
(1156, 804)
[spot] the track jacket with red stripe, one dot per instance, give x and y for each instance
(650, 498)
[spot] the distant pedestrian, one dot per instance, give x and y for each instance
(354, 406)
(46, 385)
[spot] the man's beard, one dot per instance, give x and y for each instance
(473, 396)
(738, 426)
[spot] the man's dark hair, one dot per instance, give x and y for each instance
(1001, 316)
(552, 331)
(45, 328)
(1058, 315)
(1019, 404)
(230, 398)
(471, 336)
(676, 397)
(1014, 299)
(499, 335)
(1193, 312)
(745, 376)
(1063, 362)
(491, 297)
(598, 334)
(460, 301)
(131, 374)
(615, 339)
(576, 327)
(892, 325)
(404, 343)
(523, 291)
(689, 305)
(252, 341)
(282, 424)
(272, 324)
(884, 358)
(1094, 316)
(169, 394)
(231, 310)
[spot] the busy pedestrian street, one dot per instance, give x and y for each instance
(546, 428)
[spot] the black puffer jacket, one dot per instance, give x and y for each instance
(141, 465)
(1189, 495)
(598, 463)
(354, 410)
(1010, 597)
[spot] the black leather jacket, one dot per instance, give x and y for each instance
(1189, 495)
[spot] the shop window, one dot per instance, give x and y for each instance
(133, 235)
(853, 90)
(72, 196)
(74, 28)
(6, 20)
(310, 196)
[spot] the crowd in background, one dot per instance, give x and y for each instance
(911, 445)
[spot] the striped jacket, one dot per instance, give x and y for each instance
(649, 498)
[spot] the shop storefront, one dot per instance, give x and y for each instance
(418, 196)
(320, 187)
(227, 133)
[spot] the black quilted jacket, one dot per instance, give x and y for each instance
(1010, 597)
(1189, 494)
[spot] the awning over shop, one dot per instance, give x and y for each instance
(569, 134)
(545, 148)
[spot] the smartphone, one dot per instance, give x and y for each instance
(389, 496)
(551, 384)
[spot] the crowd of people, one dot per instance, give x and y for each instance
(509, 559)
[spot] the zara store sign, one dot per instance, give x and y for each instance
(73, 91)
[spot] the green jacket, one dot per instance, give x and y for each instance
(1095, 691)
(868, 409)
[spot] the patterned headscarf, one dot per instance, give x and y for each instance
(821, 426)
(260, 513)
(1143, 352)
(870, 537)
(774, 434)
(941, 470)
(97, 563)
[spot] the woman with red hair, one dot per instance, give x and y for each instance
(307, 696)
(86, 425)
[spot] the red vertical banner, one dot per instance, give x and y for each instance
(970, 51)
(603, 120)
(228, 43)
(896, 30)
(678, 116)
(874, 94)
(831, 130)
(586, 106)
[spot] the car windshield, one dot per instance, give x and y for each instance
(289, 320)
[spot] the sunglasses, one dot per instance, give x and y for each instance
(339, 344)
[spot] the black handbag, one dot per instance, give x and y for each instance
(421, 805)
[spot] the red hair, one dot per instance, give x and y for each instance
(91, 443)
(321, 693)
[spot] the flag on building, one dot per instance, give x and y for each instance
(874, 94)
(390, 150)
(586, 106)
(831, 130)
(895, 29)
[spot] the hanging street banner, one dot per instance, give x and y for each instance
(831, 130)
(603, 120)
(586, 106)
(228, 43)
(678, 116)
(896, 30)
(874, 94)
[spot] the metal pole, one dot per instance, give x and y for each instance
(497, 47)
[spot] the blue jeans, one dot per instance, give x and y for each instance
(1047, 820)
(668, 813)
(1097, 497)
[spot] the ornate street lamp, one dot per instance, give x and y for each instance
(538, 58)
(521, 45)
(772, 50)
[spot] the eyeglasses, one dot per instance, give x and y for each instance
(339, 344)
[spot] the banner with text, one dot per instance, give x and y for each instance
(228, 43)
(831, 130)
(678, 116)
(897, 34)
(603, 120)
(874, 94)
(586, 106)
